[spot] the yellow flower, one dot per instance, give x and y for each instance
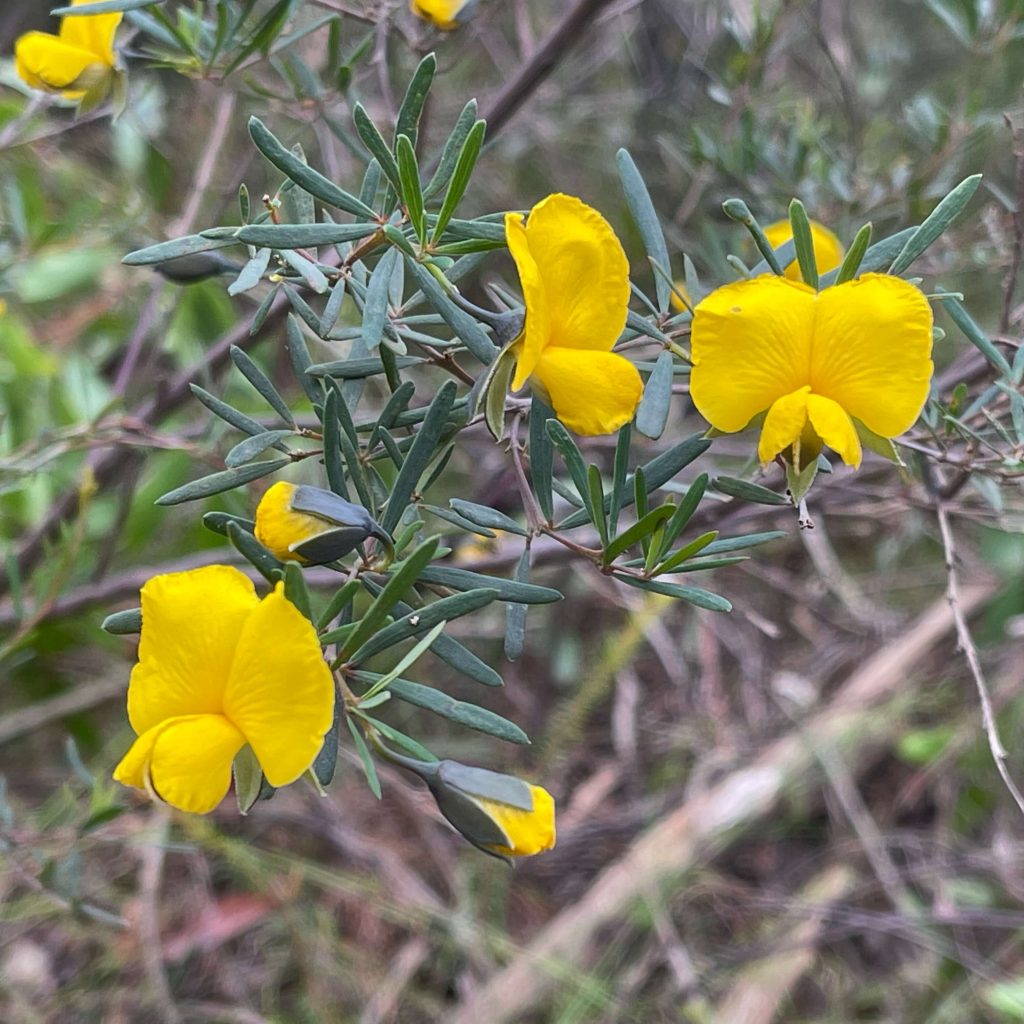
(828, 250)
(73, 62)
(575, 280)
(497, 813)
(812, 361)
(443, 14)
(310, 525)
(219, 668)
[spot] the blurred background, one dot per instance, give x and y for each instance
(789, 813)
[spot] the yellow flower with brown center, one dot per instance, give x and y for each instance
(812, 362)
(443, 14)
(73, 62)
(219, 668)
(828, 250)
(575, 281)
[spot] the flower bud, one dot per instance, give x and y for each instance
(310, 525)
(499, 814)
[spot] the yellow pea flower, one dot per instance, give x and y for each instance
(575, 281)
(219, 668)
(813, 362)
(828, 250)
(443, 14)
(73, 62)
(497, 813)
(310, 525)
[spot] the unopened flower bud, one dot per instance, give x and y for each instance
(310, 525)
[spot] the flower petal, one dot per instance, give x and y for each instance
(751, 344)
(591, 392)
(45, 62)
(92, 32)
(783, 424)
(528, 832)
(872, 351)
(190, 763)
(537, 328)
(835, 428)
(828, 250)
(191, 624)
(281, 692)
(584, 270)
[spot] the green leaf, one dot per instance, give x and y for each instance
(460, 712)
(853, 259)
(217, 522)
(747, 491)
(406, 661)
(748, 540)
(799, 481)
(374, 142)
(356, 369)
(658, 471)
(407, 743)
(596, 502)
(803, 242)
(251, 274)
(638, 199)
(102, 7)
(737, 210)
(303, 236)
(573, 458)
(310, 273)
(365, 758)
(411, 193)
(420, 454)
(326, 762)
(248, 779)
(936, 223)
(248, 449)
(652, 412)
(639, 531)
(495, 387)
(515, 614)
(508, 590)
(123, 623)
(974, 334)
(402, 578)
(686, 553)
(452, 149)
(303, 175)
(407, 122)
(482, 515)
(541, 454)
(333, 464)
(217, 483)
(255, 553)
(301, 362)
(295, 589)
(421, 620)
(693, 595)
(464, 165)
(261, 382)
(174, 248)
(464, 326)
(375, 305)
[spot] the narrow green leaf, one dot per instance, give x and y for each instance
(248, 777)
(402, 578)
(247, 450)
(693, 595)
(652, 412)
(313, 276)
(123, 623)
(464, 165)
(375, 305)
(640, 530)
(374, 142)
(508, 590)
(365, 758)
(495, 387)
(975, 335)
(174, 248)
(853, 259)
(255, 553)
(217, 522)
(482, 515)
(261, 382)
(303, 236)
(452, 149)
(936, 223)
(251, 274)
(684, 511)
(407, 122)
(803, 242)
(573, 458)
(747, 491)
(541, 453)
(217, 483)
(749, 540)
(638, 199)
(596, 502)
(326, 762)
(102, 7)
(356, 369)
(422, 620)
(301, 362)
(303, 175)
(684, 554)
(420, 454)
(877, 258)
(333, 463)
(411, 193)
(737, 210)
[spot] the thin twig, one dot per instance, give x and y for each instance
(970, 651)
